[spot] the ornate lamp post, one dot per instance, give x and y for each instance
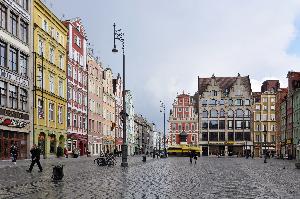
(118, 35)
(163, 109)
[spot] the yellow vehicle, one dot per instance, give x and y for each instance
(183, 150)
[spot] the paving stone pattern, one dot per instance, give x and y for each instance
(172, 178)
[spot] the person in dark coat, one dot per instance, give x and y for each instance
(191, 157)
(35, 158)
(14, 153)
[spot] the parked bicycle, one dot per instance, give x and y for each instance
(105, 160)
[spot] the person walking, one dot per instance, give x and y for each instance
(14, 153)
(35, 158)
(66, 152)
(195, 157)
(191, 157)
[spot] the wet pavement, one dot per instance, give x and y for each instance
(172, 178)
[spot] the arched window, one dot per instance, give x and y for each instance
(222, 113)
(213, 113)
(239, 113)
(187, 128)
(205, 114)
(230, 113)
(247, 113)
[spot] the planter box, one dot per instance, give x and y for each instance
(297, 164)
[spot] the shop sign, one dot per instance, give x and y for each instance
(216, 142)
(230, 143)
(12, 122)
(13, 77)
(18, 8)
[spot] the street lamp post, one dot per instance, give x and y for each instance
(118, 35)
(163, 109)
(265, 151)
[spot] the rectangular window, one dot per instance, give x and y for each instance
(69, 93)
(60, 88)
(3, 90)
(213, 124)
(230, 136)
(80, 122)
(23, 99)
(69, 119)
(24, 4)
(61, 61)
(221, 136)
(79, 98)
(45, 25)
(3, 14)
(238, 136)
(257, 117)
(13, 24)
(60, 114)
(24, 31)
(51, 111)
(205, 124)
(69, 70)
(2, 54)
(265, 99)
(238, 124)
(79, 77)
(41, 108)
(51, 83)
(75, 121)
(204, 136)
(13, 96)
(75, 74)
(51, 54)
(41, 46)
(221, 124)
(213, 136)
(257, 107)
(23, 65)
(230, 124)
(13, 60)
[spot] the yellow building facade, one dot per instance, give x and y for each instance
(50, 83)
(264, 125)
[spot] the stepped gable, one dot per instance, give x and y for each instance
(223, 82)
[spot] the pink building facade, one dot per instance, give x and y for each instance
(118, 90)
(95, 104)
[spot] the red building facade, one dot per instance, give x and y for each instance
(183, 118)
(77, 86)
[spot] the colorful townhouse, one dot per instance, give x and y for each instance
(15, 77)
(95, 105)
(50, 83)
(77, 75)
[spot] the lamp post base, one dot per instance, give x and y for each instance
(124, 156)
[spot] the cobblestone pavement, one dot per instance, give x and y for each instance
(159, 178)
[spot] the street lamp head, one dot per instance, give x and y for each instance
(114, 50)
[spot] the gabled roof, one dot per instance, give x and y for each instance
(223, 82)
(78, 20)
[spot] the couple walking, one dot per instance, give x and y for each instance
(35, 158)
(193, 155)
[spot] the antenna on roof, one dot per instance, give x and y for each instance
(63, 17)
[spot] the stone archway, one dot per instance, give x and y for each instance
(62, 141)
(42, 142)
(53, 141)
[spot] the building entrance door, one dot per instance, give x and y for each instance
(205, 151)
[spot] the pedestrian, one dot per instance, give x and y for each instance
(195, 158)
(252, 154)
(35, 158)
(66, 152)
(14, 153)
(191, 157)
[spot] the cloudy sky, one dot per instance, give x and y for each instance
(169, 43)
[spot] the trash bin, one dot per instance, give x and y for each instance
(58, 172)
(144, 158)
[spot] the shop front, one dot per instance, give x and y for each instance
(77, 142)
(9, 138)
(108, 144)
(49, 141)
